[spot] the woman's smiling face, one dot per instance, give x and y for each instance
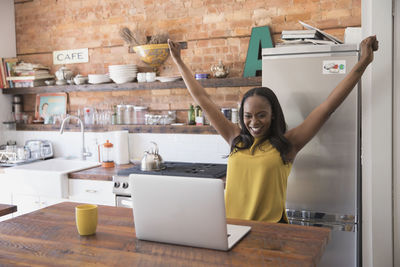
(257, 115)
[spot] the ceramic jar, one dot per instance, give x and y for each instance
(219, 70)
(64, 73)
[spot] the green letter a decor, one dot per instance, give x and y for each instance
(260, 38)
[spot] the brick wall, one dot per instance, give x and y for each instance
(213, 29)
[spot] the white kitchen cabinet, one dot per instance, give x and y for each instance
(5, 198)
(25, 203)
(91, 191)
(5, 195)
(28, 203)
(5, 191)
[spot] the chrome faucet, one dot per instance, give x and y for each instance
(84, 153)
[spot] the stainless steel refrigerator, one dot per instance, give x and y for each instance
(324, 187)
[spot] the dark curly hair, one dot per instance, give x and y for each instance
(277, 128)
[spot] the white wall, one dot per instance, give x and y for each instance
(396, 134)
(7, 49)
(172, 147)
(377, 138)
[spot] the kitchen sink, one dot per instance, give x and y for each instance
(45, 178)
(59, 165)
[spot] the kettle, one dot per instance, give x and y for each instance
(152, 161)
(64, 73)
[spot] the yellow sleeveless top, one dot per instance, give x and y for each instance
(256, 183)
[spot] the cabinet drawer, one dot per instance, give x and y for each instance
(90, 191)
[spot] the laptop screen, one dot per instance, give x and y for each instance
(179, 210)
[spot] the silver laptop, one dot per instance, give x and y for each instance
(184, 211)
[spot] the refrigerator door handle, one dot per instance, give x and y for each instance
(308, 215)
(345, 227)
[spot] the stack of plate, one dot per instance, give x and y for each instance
(123, 73)
(98, 78)
(168, 79)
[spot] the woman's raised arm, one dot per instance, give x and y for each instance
(303, 133)
(224, 127)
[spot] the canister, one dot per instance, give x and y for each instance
(129, 116)
(120, 114)
(140, 113)
(234, 115)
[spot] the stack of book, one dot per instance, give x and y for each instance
(310, 35)
(6, 70)
(304, 36)
(301, 34)
(29, 75)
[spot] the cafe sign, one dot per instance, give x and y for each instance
(71, 56)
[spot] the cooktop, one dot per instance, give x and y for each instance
(173, 168)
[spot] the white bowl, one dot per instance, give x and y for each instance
(127, 68)
(123, 79)
(168, 79)
(97, 81)
(122, 73)
(122, 76)
(97, 76)
(116, 69)
(123, 65)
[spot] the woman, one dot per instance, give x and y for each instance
(44, 114)
(262, 151)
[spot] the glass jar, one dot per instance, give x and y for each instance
(129, 114)
(227, 113)
(140, 113)
(120, 114)
(107, 155)
(235, 115)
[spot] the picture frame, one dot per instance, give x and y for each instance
(49, 105)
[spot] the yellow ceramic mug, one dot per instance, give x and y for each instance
(86, 219)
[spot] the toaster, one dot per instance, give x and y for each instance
(40, 149)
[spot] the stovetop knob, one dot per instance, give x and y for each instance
(125, 185)
(116, 184)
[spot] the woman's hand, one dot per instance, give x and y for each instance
(368, 46)
(175, 50)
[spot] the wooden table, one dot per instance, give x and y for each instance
(48, 237)
(7, 209)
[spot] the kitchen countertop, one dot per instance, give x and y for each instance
(7, 209)
(48, 236)
(98, 173)
(101, 173)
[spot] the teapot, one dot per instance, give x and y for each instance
(219, 70)
(152, 161)
(64, 73)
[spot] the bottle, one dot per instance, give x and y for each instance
(17, 108)
(199, 116)
(88, 115)
(234, 115)
(114, 116)
(120, 114)
(191, 116)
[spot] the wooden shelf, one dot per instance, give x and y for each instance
(168, 129)
(207, 83)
